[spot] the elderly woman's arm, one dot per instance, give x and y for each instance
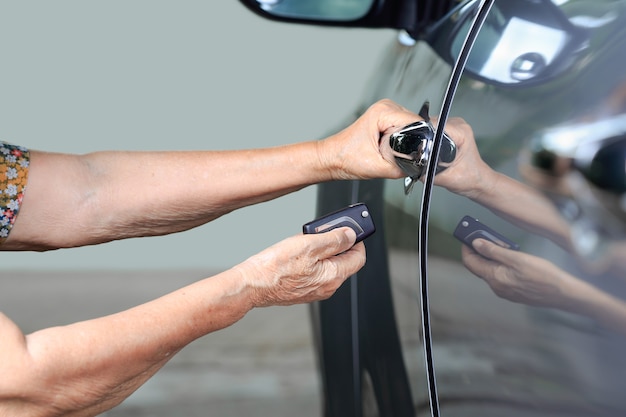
(75, 200)
(88, 367)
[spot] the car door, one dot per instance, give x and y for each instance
(534, 329)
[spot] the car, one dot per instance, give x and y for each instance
(535, 323)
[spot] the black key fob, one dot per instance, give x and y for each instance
(356, 216)
(470, 228)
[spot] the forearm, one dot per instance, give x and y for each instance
(88, 367)
(524, 207)
(168, 192)
(585, 299)
(94, 198)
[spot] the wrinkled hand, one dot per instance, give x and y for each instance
(361, 151)
(517, 276)
(303, 268)
(354, 152)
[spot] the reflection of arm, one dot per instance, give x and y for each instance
(525, 207)
(531, 280)
(602, 307)
(468, 175)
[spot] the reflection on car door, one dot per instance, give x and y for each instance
(539, 331)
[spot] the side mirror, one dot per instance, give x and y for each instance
(602, 168)
(521, 43)
(410, 15)
(580, 165)
(323, 10)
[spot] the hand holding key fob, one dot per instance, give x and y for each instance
(470, 228)
(356, 216)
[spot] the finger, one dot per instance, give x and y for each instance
(455, 126)
(387, 127)
(393, 116)
(351, 261)
(333, 242)
(337, 269)
(495, 252)
(384, 148)
(479, 265)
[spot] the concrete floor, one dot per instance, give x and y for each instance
(263, 365)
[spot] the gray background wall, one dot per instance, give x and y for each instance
(80, 76)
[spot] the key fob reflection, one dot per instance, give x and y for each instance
(470, 229)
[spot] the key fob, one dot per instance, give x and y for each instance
(470, 228)
(356, 216)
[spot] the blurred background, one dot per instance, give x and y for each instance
(80, 76)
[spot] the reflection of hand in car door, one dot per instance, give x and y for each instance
(468, 175)
(528, 279)
(526, 207)
(514, 275)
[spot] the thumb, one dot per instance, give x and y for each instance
(344, 239)
(333, 242)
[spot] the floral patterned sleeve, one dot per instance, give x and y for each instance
(14, 163)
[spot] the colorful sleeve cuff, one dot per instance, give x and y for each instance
(14, 163)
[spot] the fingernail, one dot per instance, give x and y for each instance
(350, 233)
(478, 243)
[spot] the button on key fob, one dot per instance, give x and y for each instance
(356, 216)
